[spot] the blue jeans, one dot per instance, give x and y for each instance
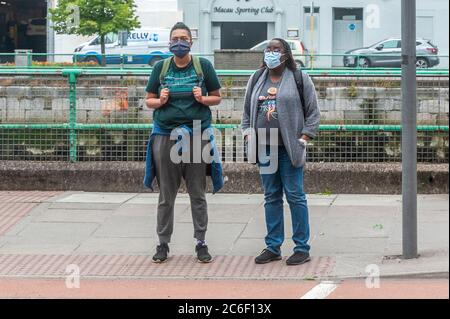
(287, 179)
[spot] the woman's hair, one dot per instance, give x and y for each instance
(290, 61)
(181, 26)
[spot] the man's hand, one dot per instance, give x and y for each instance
(164, 96)
(198, 94)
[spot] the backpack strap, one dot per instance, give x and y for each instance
(298, 74)
(256, 78)
(165, 70)
(198, 68)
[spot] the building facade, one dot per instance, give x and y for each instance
(326, 27)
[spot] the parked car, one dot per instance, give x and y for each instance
(298, 50)
(37, 27)
(142, 46)
(388, 53)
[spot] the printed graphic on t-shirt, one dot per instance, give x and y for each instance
(181, 83)
(268, 104)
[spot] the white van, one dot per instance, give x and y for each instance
(140, 46)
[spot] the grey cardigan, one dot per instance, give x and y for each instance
(293, 122)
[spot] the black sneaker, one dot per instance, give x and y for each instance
(298, 258)
(161, 253)
(203, 255)
(267, 256)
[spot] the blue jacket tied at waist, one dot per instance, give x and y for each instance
(214, 170)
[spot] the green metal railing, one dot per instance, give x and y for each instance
(309, 61)
(147, 71)
(74, 128)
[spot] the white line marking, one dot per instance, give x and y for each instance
(321, 291)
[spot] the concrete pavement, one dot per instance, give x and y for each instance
(112, 235)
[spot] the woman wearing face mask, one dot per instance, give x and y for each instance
(281, 115)
(181, 90)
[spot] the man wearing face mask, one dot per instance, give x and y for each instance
(281, 115)
(180, 90)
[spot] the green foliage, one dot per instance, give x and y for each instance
(96, 16)
(352, 90)
(326, 192)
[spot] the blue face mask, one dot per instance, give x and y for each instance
(273, 59)
(180, 48)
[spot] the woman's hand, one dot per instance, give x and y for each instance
(304, 140)
(305, 137)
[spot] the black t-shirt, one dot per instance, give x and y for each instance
(267, 113)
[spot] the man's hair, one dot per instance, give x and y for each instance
(181, 26)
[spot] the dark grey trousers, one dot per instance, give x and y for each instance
(168, 176)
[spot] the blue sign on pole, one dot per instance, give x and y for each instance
(352, 27)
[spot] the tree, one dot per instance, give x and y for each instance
(91, 17)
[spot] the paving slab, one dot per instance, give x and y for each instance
(367, 200)
(28, 247)
(117, 245)
(56, 233)
(328, 245)
(84, 206)
(220, 213)
(124, 226)
(145, 210)
(73, 216)
(152, 199)
(107, 198)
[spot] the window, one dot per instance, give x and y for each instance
(293, 33)
(392, 44)
(293, 45)
(308, 9)
(96, 41)
(109, 39)
(194, 33)
(38, 21)
(418, 43)
(348, 14)
(261, 47)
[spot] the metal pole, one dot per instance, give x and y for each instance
(409, 129)
(72, 78)
(311, 26)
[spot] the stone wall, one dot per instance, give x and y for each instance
(342, 178)
(20, 104)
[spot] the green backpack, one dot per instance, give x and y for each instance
(182, 90)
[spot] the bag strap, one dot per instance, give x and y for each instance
(298, 74)
(256, 78)
(198, 67)
(165, 69)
